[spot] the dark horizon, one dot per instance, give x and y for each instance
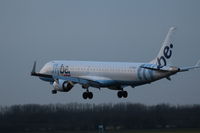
(87, 117)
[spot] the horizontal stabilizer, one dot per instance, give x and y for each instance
(183, 69)
(156, 68)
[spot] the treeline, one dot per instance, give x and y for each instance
(76, 117)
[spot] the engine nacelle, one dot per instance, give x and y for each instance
(62, 85)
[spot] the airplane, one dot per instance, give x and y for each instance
(63, 75)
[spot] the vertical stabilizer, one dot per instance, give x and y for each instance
(165, 54)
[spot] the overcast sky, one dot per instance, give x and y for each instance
(104, 30)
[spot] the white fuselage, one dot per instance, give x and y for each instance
(105, 72)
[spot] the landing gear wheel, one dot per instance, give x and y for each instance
(90, 95)
(125, 94)
(119, 94)
(85, 95)
(54, 91)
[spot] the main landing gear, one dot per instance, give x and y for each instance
(122, 93)
(87, 94)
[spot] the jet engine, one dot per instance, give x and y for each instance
(62, 85)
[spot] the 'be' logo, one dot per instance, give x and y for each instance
(167, 53)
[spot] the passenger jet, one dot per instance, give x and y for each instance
(63, 75)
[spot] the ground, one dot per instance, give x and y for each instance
(136, 131)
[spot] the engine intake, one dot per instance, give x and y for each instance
(62, 85)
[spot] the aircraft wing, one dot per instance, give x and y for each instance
(94, 81)
(104, 81)
(34, 73)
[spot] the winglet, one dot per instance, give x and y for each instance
(34, 73)
(34, 68)
(198, 63)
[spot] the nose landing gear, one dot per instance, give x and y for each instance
(54, 91)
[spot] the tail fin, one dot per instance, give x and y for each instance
(164, 56)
